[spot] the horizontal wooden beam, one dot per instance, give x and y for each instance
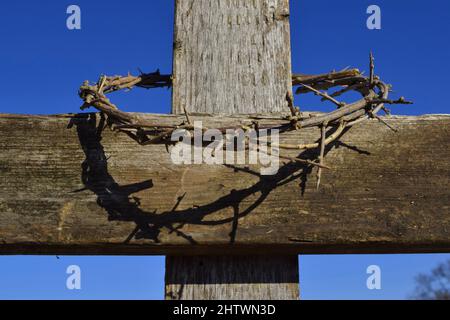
(67, 188)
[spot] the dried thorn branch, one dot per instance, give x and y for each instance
(322, 153)
(354, 87)
(145, 80)
(298, 79)
(386, 111)
(388, 101)
(330, 139)
(384, 122)
(290, 101)
(372, 70)
(326, 85)
(324, 95)
(186, 113)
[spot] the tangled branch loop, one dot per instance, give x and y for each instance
(375, 95)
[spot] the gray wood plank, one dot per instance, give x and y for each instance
(68, 190)
(231, 56)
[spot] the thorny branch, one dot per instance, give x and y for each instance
(375, 94)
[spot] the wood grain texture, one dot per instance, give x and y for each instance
(65, 189)
(231, 56)
(232, 277)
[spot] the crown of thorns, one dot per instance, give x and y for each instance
(375, 95)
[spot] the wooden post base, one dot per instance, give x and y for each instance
(232, 278)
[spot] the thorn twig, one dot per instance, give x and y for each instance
(186, 113)
(322, 153)
(383, 122)
(324, 95)
(372, 69)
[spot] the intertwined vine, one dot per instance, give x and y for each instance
(375, 95)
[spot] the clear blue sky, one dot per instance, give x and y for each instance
(43, 64)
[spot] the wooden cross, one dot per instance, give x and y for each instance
(69, 187)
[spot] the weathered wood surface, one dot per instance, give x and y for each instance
(66, 189)
(231, 56)
(241, 278)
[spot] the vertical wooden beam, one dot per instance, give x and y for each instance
(232, 277)
(232, 56)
